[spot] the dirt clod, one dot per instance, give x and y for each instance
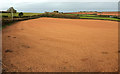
(8, 50)
(14, 37)
(104, 52)
(9, 36)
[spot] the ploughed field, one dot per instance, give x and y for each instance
(61, 45)
(98, 13)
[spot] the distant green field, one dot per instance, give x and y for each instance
(89, 16)
(101, 18)
(17, 14)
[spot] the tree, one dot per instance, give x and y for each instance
(77, 14)
(56, 11)
(20, 14)
(11, 10)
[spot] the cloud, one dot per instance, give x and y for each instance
(67, 6)
(5, 4)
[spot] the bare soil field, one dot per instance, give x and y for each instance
(109, 13)
(98, 13)
(61, 45)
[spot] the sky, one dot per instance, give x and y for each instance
(60, 5)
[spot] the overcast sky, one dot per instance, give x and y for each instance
(60, 5)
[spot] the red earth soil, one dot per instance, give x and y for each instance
(61, 45)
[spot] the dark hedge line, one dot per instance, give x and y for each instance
(6, 20)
